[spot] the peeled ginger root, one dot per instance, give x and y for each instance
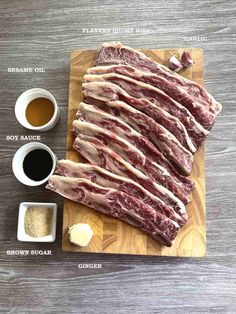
(80, 234)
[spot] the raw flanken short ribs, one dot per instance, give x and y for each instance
(138, 128)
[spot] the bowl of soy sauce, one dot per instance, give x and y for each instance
(34, 163)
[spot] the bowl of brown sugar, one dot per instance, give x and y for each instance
(37, 222)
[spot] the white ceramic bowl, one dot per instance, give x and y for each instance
(24, 100)
(22, 236)
(17, 163)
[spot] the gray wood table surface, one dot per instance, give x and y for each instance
(42, 34)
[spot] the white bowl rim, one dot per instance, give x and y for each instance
(56, 109)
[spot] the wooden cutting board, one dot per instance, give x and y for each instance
(112, 235)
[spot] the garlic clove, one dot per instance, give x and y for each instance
(186, 59)
(175, 64)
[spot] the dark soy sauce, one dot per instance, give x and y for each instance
(37, 164)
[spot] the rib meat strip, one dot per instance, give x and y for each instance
(156, 133)
(116, 204)
(204, 112)
(161, 116)
(95, 115)
(133, 156)
(107, 179)
(99, 154)
(145, 92)
(116, 53)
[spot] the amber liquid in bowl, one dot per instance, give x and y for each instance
(39, 111)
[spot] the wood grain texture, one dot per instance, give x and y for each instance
(42, 33)
(112, 235)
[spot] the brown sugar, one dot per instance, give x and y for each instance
(38, 221)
